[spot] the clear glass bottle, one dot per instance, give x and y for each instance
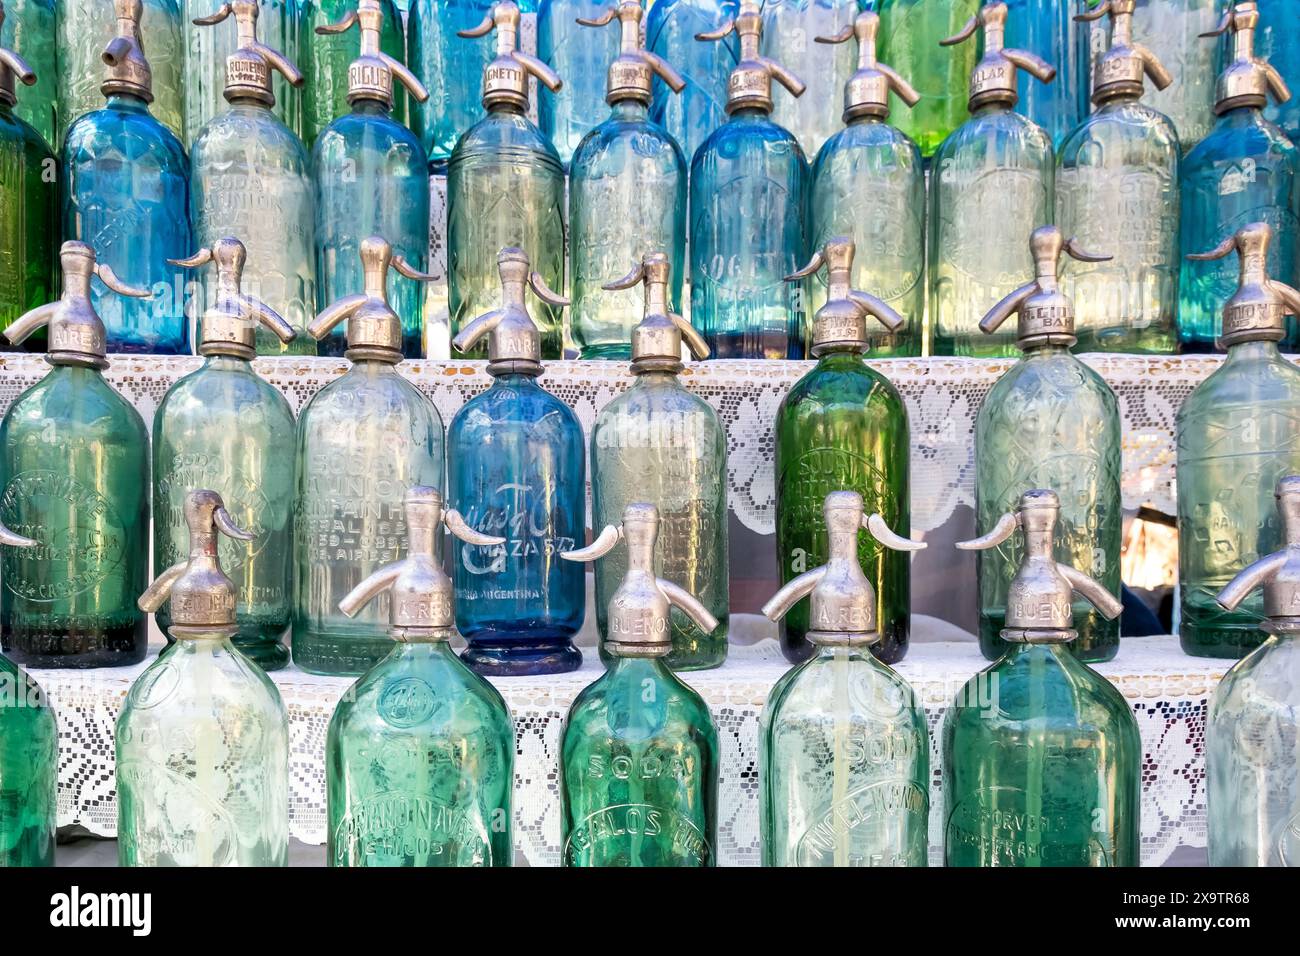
(74, 468)
(639, 751)
(1049, 422)
(518, 462)
(844, 754)
(1052, 29)
(451, 67)
(326, 59)
(843, 427)
(125, 182)
(225, 428)
(1042, 761)
(1279, 44)
(440, 794)
(868, 184)
(1244, 171)
(203, 738)
(578, 106)
(991, 185)
(748, 207)
(29, 28)
(1237, 436)
(363, 440)
(250, 177)
(372, 179)
(659, 444)
(627, 197)
(505, 188)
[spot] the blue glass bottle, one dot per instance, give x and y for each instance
(748, 197)
(671, 28)
(518, 469)
(126, 194)
(372, 179)
(562, 44)
(1279, 44)
(1051, 30)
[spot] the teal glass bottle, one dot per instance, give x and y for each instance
(627, 197)
(326, 58)
(439, 794)
(578, 107)
(639, 749)
(670, 31)
(1052, 29)
(1042, 761)
(868, 184)
(202, 740)
(74, 468)
(844, 754)
(748, 207)
(1243, 413)
(1049, 422)
(505, 188)
(991, 185)
(659, 444)
(225, 428)
(843, 427)
(363, 440)
(29, 28)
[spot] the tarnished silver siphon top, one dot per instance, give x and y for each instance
(202, 597)
(657, 338)
(1247, 80)
(1121, 69)
(631, 75)
(1258, 309)
(421, 596)
(229, 326)
(514, 340)
(77, 335)
(505, 81)
(371, 74)
(12, 66)
(1039, 602)
(750, 83)
(994, 78)
(374, 329)
(1046, 313)
(867, 91)
(128, 69)
(248, 69)
(639, 624)
(841, 324)
(842, 605)
(1278, 573)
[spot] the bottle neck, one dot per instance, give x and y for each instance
(221, 362)
(656, 378)
(629, 111)
(990, 109)
(371, 107)
(514, 380)
(505, 108)
(1253, 351)
(842, 358)
(126, 103)
(751, 114)
(1037, 350)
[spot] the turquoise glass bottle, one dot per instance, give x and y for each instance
(1052, 29)
(29, 28)
(578, 107)
(748, 199)
(1243, 413)
(326, 58)
(363, 440)
(1279, 44)
(1042, 761)
(627, 197)
(225, 428)
(517, 460)
(639, 750)
(670, 31)
(868, 184)
(505, 188)
(439, 794)
(372, 179)
(203, 738)
(844, 754)
(74, 468)
(991, 185)
(451, 66)
(125, 181)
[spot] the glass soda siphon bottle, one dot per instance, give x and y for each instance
(844, 754)
(991, 185)
(327, 58)
(1049, 422)
(517, 469)
(1237, 435)
(439, 794)
(1041, 754)
(225, 428)
(627, 196)
(843, 427)
(505, 188)
(748, 193)
(29, 29)
(639, 715)
(670, 31)
(451, 68)
(868, 184)
(74, 466)
(657, 443)
(1279, 43)
(1049, 27)
(579, 106)
(203, 738)
(363, 440)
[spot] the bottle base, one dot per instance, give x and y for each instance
(521, 660)
(74, 648)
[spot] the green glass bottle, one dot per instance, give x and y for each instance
(74, 468)
(420, 755)
(29, 28)
(843, 427)
(844, 754)
(326, 59)
(639, 751)
(1042, 761)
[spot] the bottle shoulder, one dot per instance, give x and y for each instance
(375, 133)
(869, 142)
(1126, 133)
(358, 396)
(857, 384)
(607, 149)
(248, 137)
(84, 401)
(649, 402)
(735, 142)
(17, 132)
(526, 406)
(681, 712)
(1059, 380)
(878, 693)
(1232, 139)
(429, 695)
(216, 394)
(185, 683)
(1268, 380)
(1267, 681)
(136, 136)
(504, 133)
